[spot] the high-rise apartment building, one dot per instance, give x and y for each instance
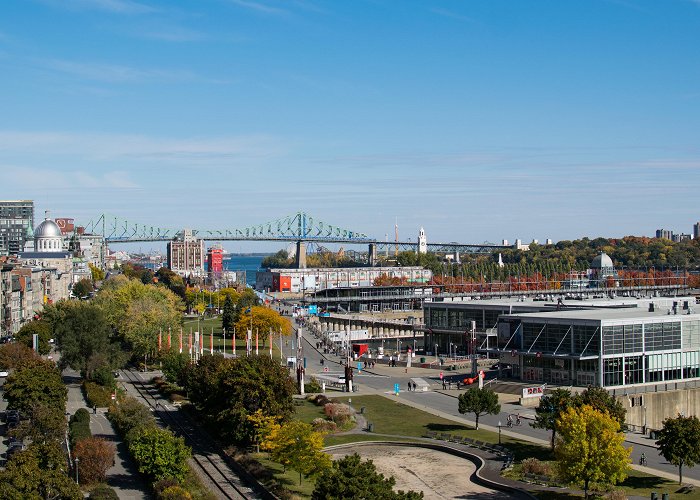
(16, 221)
(664, 233)
(696, 230)
(186, 254)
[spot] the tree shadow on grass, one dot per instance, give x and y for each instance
(644, 482)
(446, 427)
(523, 450)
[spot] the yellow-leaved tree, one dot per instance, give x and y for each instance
(264, 425)
(262, 319)
(296, 445)
(590, 448)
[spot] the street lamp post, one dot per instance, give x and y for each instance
(76, 470)
(224, 329)
(499, 432)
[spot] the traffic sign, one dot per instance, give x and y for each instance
(325, 368)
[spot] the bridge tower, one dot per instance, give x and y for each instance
(301, 255)
(372, 254)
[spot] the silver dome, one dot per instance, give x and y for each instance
(47, 229)
(602, 261)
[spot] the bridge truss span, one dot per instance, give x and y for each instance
(292, 228)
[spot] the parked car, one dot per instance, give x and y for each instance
(4, 373)
(12, 449)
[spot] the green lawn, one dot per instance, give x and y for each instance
(393, 417)
(289, 479)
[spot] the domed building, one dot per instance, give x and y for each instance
(602, 268)
(48, 237)
(48, 258)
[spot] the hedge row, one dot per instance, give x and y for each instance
(79, 426)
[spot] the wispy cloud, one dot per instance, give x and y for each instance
(453, 15)
(114, 6)
(259, 7)
(141, 149)
(116, 73)
(43, 178)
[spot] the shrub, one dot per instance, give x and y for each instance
(617, 495)
(323, 425)
(320, 400)
(82, 415)
(97, 395)
(175, 493)
(164, 484)
(103, 492)
(312, 385)
(79, 426)
(534, 466)
(338, 412)
(130, 414)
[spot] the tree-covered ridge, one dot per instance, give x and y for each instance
(547, 261)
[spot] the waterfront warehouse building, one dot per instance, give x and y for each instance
(312, 279)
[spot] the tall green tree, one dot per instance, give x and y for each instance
(38, 384)
(351, 477)
(228, 317)
(80, 330)
(39, 472)
(83, 288)
(45, 424)
(25, 335)
(550, 408)
(601, 400)
(158, 453)
(228, 390)
(590, 448)
(479, 402)
(679, 442)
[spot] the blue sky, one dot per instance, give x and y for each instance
(477, 119)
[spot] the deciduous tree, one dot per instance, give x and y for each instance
(38, 384)
(262, 319)
(479, 402)
(96, 456)
(83, 288)
(599, 399)
(590, 448)
(15, 356)
(158, 453)
(678, 442)
(45, 424)
(229, 314)
(80, 329)
(296, 445)
(550, 408)
(25, 335)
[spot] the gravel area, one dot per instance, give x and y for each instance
(435, 473)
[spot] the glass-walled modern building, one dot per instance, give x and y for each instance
(604, 347)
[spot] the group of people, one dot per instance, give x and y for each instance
(510, 420)
(369, 364)
(412, 386)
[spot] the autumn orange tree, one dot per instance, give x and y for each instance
(95, 456)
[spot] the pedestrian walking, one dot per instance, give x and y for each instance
(409, 386)
(414, 386)
(444, 384)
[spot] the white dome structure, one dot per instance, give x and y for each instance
(48, 237)
(602, 261)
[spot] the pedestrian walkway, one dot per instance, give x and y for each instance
(123, 477)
